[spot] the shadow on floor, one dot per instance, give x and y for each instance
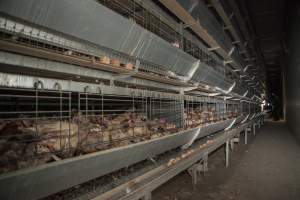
(266, 169)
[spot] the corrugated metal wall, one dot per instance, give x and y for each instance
(293, 70)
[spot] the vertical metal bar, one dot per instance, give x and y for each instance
(102, 115)
(180, 102)
(36, 109)
(218, 110)
(102, 108)
(205, 163)
(227, 153)
(194, 178)
(192, 105)
(147, 116)
(148, 196)
(150, 108)
(249, 109)
(160, 108)
(246, 136)
(133, 110)
(60, 118)
(86, 105)
(78, 120)
(181, 35)
(133, 10)
(70, 118)
(187, 122)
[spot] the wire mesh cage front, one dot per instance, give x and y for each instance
(199, 113)
(39, 126)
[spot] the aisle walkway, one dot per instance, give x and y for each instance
(267, 169)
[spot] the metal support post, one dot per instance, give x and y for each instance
(197, 168)
(227, 153)
(194, 174)
(112, 82)
(246, 134)
(237, 139)
(205, 163)
(232, 144)
(148, 196)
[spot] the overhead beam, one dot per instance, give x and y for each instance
(195, 26)
(198, 28)
(227, 20)
(220, 10)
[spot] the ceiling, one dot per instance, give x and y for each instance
(265, 20)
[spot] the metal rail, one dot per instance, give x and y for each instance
(52, 95)
(141, 187)
(44, 39)
(19, 185)
(198, 28)
(29, 82)
(185, 17)
(63, 48)
(60, 57)
(71, 110)
(168, 64)
(152, 21)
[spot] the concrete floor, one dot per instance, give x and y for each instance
(266, 169)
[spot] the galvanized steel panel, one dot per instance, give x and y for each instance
(208, 75)
(34, 183)
(87, 20)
